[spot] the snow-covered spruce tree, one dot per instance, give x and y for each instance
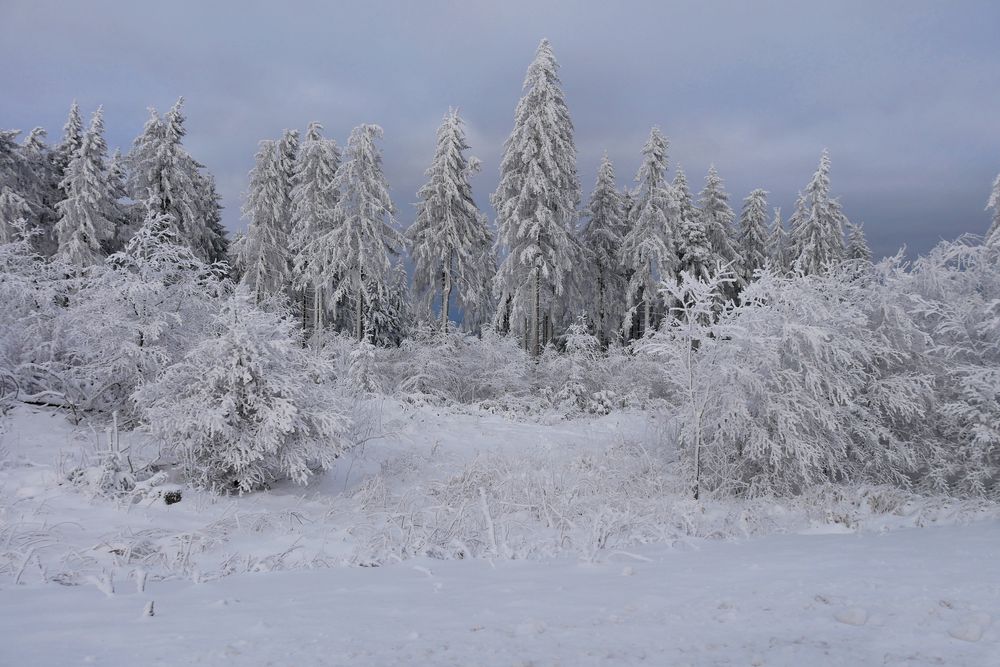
(993, 235)
(313, 199)
(248, 405)
(536, 203)
(450, 241)
(41, 189)
(262, 258)
(857, 244)
(648, 250)
(777, 244)
(818, 224)
(717, 219)
(388, 315)
(14, 214)
(602, 238)
(355, 255)
(753, 234)
(126, 212)
(70, 144)
(89, 213)
(694, 249)
(160, 168)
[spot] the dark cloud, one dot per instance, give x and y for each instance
(904, 94)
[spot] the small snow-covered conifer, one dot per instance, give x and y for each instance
(818, 224)
(857, 244)
(717, 218)
(89, 213)
(602, 237)
(248, 405)
(648, 250)
(262, 255)
(160, 168)
(777, 244)
(694, 249)
(753, 234)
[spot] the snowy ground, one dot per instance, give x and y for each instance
(842, 578)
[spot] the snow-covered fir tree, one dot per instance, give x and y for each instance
(718, 218)
(126, 212)
(70, 143)
(450, 241)
(818, 224)
(357, 251)
(857, 244)
(14, 213)
(159, 165)
(753, 234)
(648, 251)
(993, 235)
(248, 405)
(536, 203)
(602, 237)
(41, 189)
(313, 198)
(777, 243)
(262, 256)
(694, 249)
(89, 213)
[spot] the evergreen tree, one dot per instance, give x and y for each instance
(857, 244)
(694, 249)
(648, 250)
(41, 189)
(158, 165)
(717, 219)
(602, 238)
(778, 244)
(450, 240)
(357, 250)
(14, 212)
(313, 198)
(247, 405)
(536, 202)
(818, 224)
(753, 234)
(70, 144)
(993, 235)
(262, 256)
(88, 214)
(126, 212)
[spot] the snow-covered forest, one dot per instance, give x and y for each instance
(567, 372)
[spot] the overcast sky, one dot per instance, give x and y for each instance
(906, 95)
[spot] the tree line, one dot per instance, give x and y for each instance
(322, 230)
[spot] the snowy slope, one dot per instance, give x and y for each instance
(638, 574)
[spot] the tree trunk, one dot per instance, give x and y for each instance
(536, 315)
(645, 314)
(600, 310)
(359, 315)
(446, 296)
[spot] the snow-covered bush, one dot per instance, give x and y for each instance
(773, 387)
(248, 405)
(459, 368)
(130, 318)
(953, 297)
